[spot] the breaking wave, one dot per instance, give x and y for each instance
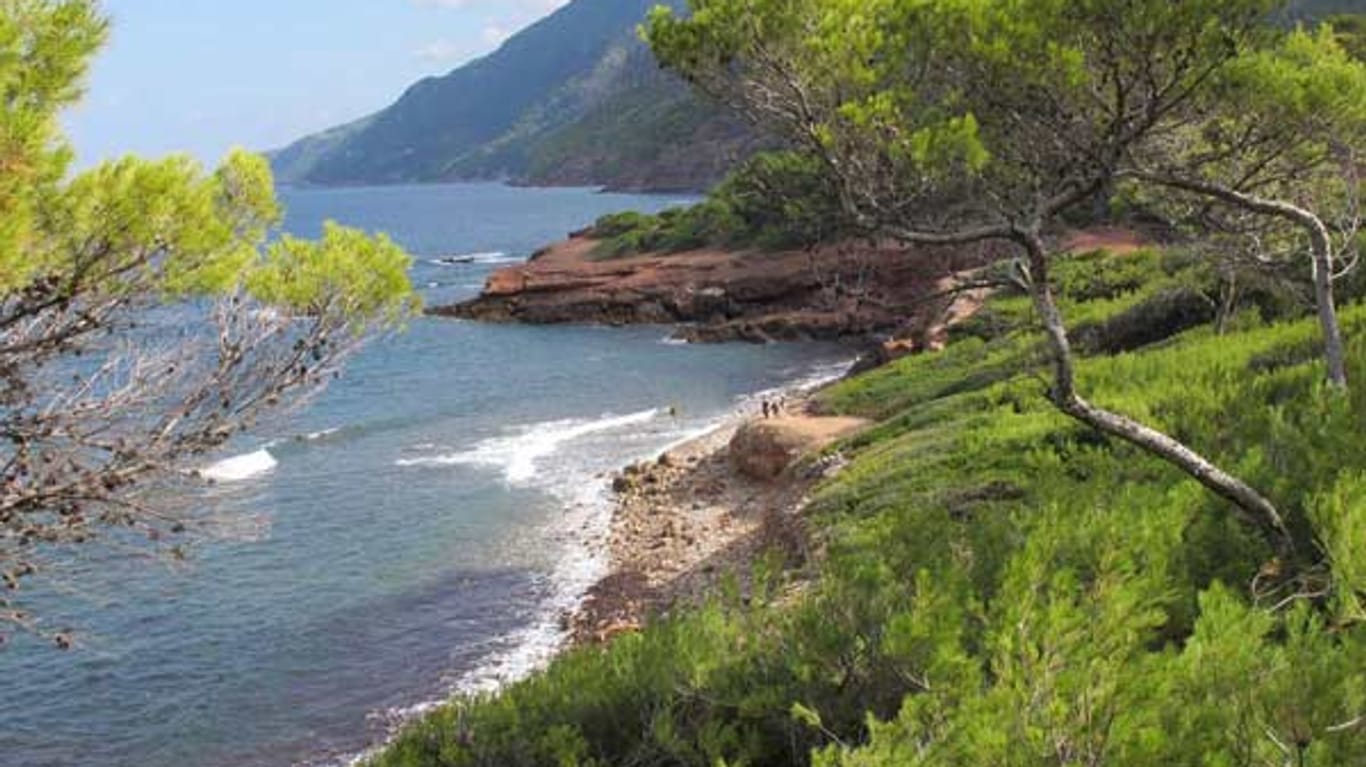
(241, 467)
(518, 455)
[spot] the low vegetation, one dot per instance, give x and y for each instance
(998, 584)
(775, 201)
(1121, 518)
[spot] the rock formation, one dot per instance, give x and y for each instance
(834, 292)
(764, 449)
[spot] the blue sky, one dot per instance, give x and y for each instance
(201, 76)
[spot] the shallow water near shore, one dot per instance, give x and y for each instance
(418, 529)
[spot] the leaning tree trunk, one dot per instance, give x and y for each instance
(1333, 352)
(1253, 508)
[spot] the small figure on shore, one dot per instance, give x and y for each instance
(767, 410)
(673, 411)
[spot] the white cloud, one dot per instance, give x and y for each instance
(441, 50)
(501, 18)
(494, 34)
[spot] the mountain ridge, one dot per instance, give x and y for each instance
(574, 99)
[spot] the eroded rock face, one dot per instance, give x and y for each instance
(826, 294)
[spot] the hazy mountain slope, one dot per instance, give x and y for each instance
(296, 161)
(575, 98)
(651, 132)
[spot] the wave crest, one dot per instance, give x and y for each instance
(518, 454)
(241, 467)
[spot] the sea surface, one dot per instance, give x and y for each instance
(417, 530)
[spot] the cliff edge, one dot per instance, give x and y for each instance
(828, 293)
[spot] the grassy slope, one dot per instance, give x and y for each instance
(1041, 594)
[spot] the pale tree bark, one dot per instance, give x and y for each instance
(1321, 249)
(1253, 508)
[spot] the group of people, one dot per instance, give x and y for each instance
(774, 408)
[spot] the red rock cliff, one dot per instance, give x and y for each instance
(829, 293)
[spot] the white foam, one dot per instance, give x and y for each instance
(462, 259)
(518, 454)
(242, 467)
(581, 533)
(320, 435)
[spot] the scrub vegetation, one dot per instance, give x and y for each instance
(1121, 518)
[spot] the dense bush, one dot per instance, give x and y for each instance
(776, 200)
(998, 585)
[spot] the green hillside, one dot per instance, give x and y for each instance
(996, 585)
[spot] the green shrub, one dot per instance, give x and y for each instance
(774, 201)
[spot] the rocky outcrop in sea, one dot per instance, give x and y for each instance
(848, 291)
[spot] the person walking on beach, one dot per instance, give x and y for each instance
(767, 410)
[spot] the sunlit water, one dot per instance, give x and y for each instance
(422, 526)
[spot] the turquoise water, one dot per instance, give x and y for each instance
(418, 529)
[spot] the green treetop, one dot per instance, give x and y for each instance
(102, 421)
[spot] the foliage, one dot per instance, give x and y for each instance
(1270, 154)
(904, 103)
(146, 317)
(997, 585)
(1351, 33)
(777, 200)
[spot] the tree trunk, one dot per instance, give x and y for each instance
(1253, 508)
(1333, 351)
(1322, 249)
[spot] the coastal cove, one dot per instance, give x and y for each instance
(683, 383)
(422, 528)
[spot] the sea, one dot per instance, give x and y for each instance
(416, 532)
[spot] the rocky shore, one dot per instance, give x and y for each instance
(828, 293)
(705, 510)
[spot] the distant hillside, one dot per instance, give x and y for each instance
(573, 99)
(1320, 9)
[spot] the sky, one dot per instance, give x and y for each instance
(203, 76)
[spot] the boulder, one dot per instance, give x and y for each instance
(764, 449)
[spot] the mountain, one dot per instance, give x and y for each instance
(575, 98)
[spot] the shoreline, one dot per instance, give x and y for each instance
(692, 517)
(597, 525)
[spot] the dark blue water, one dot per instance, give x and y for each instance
(416, 530)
